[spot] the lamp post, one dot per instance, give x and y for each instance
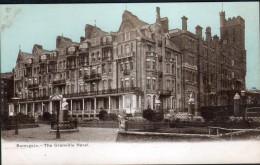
(58, 121)
(16, 101)
(243, 99)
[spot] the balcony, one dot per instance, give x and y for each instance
(130, 54)
(104, 92)
(165, 92)
(59, 82)
(52, 70)
(71, 66)
(92, 77)
(190, 66)
(33, 86)
(84, 63)
(126, 72)
(151, 54)
(43, 71)
(42, 60)
(108, 43)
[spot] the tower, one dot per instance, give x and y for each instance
(232, 30)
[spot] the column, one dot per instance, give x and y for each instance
(33, 109)
(26, 110)
(83, 106)
(123, 101)
(50, 107)
(95, 106)
(109, 104)
(71, 107)
(42, 108)
(19, 109)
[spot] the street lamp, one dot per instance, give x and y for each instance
(243, 99)
(16, 101)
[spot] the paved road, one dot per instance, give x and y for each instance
(41, 133)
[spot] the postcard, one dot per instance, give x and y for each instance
(120, 83)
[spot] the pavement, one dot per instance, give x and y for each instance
(41, 133)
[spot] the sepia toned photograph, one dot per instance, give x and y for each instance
(138, 83)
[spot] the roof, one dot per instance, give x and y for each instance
(25, 56)
(134, 19)
(6, 75)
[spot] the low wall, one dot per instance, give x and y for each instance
(99, 124)
(129, 136)
(20, 126)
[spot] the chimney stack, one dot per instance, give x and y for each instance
(184, 23)
(208, 34)
(199, 31)
(158, 15)
(215, 40)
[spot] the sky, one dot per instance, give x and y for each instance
(25, 25)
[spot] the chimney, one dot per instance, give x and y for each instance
(184, 23)
(199, 31)
(215, 40)
(158, 15)
(208, 34)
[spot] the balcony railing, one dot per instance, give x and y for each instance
(107, 43)
(151, 54)
(52, 70)
(84, 63)
(165, 92)
(92, 77)
(56, 82)
(102, 92)
(130, 54)
(43, 71)
(33, 86)
(70, 66)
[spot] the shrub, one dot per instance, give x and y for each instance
(148, 114)
(24, 119)
(46, 116)
(113, 117)
(103, 115)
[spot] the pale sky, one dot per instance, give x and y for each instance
(26, 25)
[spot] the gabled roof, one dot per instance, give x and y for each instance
(133, 19)
(23, 56)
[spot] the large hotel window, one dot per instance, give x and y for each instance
(167, 68)
(148, 83)
(127, 48)
(148, 64)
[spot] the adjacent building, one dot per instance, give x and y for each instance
(7, 87)
(138, 66)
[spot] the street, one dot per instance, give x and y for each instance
(41, 133)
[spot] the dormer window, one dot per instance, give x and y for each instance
(71, 50)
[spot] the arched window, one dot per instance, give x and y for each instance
(148, 82)
(109, 84)
(93, 56)
(148, 100)
(127, 48)
(40, 79)
(122, 83)
(104, 84)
